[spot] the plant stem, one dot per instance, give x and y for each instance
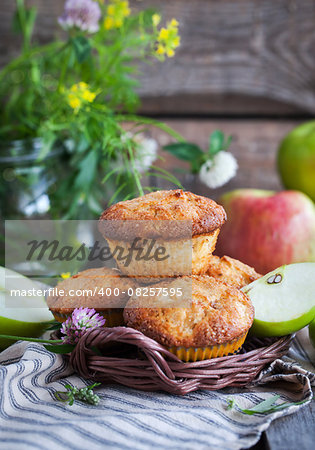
(21, 338)
(27, 56)
(147, 121)
(64, 68)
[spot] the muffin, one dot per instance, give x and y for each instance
(231, 271)
(103, 289)
(184, 225)
(215, 324)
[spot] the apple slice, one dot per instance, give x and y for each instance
(311, 332)
(20, 316)
(284, 300)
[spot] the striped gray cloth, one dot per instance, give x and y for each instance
(31, 417)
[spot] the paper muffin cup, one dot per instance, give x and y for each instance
(185, 257)
(214, 351)
(113, 316)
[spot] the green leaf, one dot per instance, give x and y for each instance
(31, 14)
(265, 407)
(16, 23)
(60, 349)
(47, 144)
(111, 173)
(54, 326)
(216, 142)
(184, 150)
(116, 193)
(227, 142)
(23, 21)
(87, 171)
(92, 386)
(162, 173)
(82, 48)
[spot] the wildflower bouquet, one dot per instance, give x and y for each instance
(77, 93)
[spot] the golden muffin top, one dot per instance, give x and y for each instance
(175, 205)
(231, 271)
(218, 314)
(92, 288)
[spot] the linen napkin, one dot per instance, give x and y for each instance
(31, 417)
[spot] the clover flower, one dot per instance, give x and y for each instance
(79, 94)
(168, 40)
(219, 170)
(117, 11)
(80, 321)
(83, 14)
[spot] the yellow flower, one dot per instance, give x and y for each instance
(74, 102)
(156, 19)
(88, 96)
(125, 8)
(109, 23)
(160, 50)
(80, 93)
(168, 40)
(117, 10)
(176, 41)
(164, 34)
(82, 85)
(65, 275)
(111, 10)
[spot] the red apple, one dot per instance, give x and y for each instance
(266, 229)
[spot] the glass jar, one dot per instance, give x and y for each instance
(26, 180)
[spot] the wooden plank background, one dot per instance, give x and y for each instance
(236, 56)
(254, 144)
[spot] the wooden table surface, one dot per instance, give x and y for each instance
(254, 144)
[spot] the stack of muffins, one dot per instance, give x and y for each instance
(216, 320)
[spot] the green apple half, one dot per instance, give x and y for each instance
(284, 300)
(311, 332)
(23, 316)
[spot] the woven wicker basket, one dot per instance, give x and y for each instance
(128, 357)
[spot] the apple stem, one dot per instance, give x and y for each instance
(42, 341)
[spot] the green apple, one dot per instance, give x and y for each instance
(311, 332)
(296, 159)
(284, 300)
(20, 316)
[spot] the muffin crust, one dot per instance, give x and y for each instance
(231, 271)
(218, 314)
(175, 205)
(90, 281)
